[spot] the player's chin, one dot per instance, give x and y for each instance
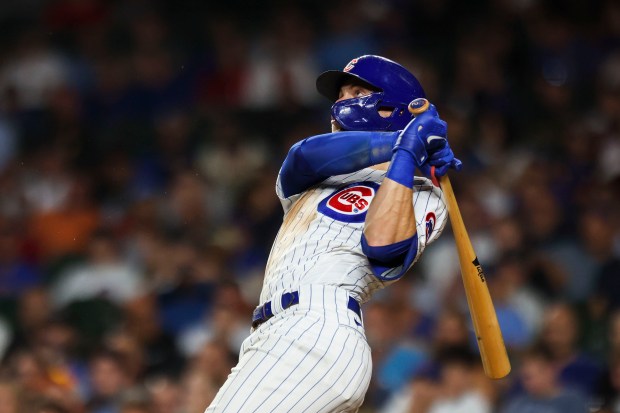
(336, 126)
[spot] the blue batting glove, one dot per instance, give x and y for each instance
(443, 159)
(455, 164)
(425, 138)
(422, 135)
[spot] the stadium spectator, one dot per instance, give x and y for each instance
(103, 275)
(560, 333)
(544, 392)
(109, 380)
(460, 387)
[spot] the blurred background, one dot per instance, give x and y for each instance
(139, 146)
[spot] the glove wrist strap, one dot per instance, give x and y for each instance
(402, 167)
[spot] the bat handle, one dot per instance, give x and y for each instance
(434, 180)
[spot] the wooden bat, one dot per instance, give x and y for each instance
(490, 341)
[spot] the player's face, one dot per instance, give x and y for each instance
(351, 90)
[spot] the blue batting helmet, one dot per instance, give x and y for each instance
(395, 87)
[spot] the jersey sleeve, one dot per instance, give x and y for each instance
(316, 158)
(287, 202)
(431, 212)
(431, 217)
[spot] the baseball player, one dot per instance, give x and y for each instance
(355, 220)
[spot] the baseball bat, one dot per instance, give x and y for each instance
(488, 334)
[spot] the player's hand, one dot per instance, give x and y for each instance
(443, 159)
(425, 137)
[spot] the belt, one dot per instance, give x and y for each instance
(263, 313)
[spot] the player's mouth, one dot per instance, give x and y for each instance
(336, 126)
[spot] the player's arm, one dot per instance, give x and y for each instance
(389, 238)
(314, 159)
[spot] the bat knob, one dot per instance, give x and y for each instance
(418, 106)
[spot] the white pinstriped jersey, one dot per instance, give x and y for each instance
(313, 357)
(320, 238)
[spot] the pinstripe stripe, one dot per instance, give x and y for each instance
(263, 378)
(331, 236)
(365, 380)
(320, 379)
(343, 370)
(361, 363)
(280, 358)
(311, 237)
(307, 376)
(270, 348)
(354, 231)
(307, 373)
(298, 364)
(237, 375)
(269, 369)
(335, 237)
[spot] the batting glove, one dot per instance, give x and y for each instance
(425, 137)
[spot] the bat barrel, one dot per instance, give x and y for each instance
(484, 318)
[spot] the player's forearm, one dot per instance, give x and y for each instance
(344, 152)
(390, 218)
(316, 158)
(391, 215)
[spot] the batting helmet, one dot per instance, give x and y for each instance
(395, 86)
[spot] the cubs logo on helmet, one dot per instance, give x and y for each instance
(349, 204)
(350, 65)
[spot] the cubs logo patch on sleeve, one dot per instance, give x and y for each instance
(349, 204)
(431, 219)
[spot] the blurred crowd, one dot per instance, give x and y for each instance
(139, 145)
